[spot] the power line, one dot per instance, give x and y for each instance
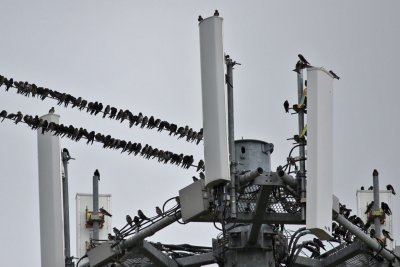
(93, 108)
(76, 134)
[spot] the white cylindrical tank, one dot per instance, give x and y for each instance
(214, 98)
(50, 197)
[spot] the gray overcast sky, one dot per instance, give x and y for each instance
(144, 56)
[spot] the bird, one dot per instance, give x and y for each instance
(129, 220)
(96, 173)
(52, 110)
(18, 117)
(302, 59)
(216, 13)
(200, 165)
(159, 211)
(286, 106)
(390, 188)
(386, 208)
(102, 210)
(66, 152)
(372, 233)
(371, 188)
(202, 176)
(386, 234)
(142, 216)
(111, 237)
(334, 75)
(3, 114)
(136, 220)
(195, 179)
(369, 207)
(199, 19)
(319, 243)
(362, 187)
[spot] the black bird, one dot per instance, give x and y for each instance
(195, 179)
(102, 210)
(142, 216)
(199, 19)
(159, 211)
(334, 75)
(362, 187)
(111, 237)
(106, 111)
(319, 243)
(3, 114)
(18, 117)
(390, 188)
(286, 106)
(96, 173)
(129, 220)
(200, 165)
(302, 59)
(369, 207)
(216, 13)
(66, 152)
(386, 234)
(202, 176)
(371, 188)
(386, 208)
(136, 220)
(52, 110)
(372, 233)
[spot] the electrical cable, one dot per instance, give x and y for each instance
(93, 108)
(84, 256)
(76, 134)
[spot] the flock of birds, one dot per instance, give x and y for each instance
(340, 233)
(94, 108)
(76, 134)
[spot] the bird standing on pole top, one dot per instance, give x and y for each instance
(96, 173)
(216, 13)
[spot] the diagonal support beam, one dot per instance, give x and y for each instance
(197, 260)
(259, 213)
(156, 256)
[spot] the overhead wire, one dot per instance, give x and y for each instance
(76, 134)
(94, 107)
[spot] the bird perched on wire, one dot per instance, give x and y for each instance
(390, 188)
(369, 207)
(386, 234)
(129, 220)
(159, 211)
(386, 208)
(102, 210)
(142, 216)
(319, 243)
(96, 173)
(286, 106)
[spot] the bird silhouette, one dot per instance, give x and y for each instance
(369, 207)
(216, 13)
(129, 220)
(286, 106)
(52, 110)
(3, 114)
(390, 188)
(385, 208)
(66, 153)
(102, 210)
(386, 234)
(199, 19)
(159, 211)
(302, 59)
(334, 75)
(200, 165)
(362, 187)
(372, 233)
(142, 216)
(97, 173)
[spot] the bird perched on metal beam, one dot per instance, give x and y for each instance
(216, 13)
(96, 173)
(102, 210)
(369, 207)
(199, 19)
(386, 234)
(52, 110)
(303, 60)
(386, 208)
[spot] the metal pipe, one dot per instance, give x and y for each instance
(373, 244)
(231, 132)
(302, 152)
(95, 214)
(67, 250)
(377, 220)
(250, 176)
(287, 178)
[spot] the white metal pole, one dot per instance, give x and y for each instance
(50, 197)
